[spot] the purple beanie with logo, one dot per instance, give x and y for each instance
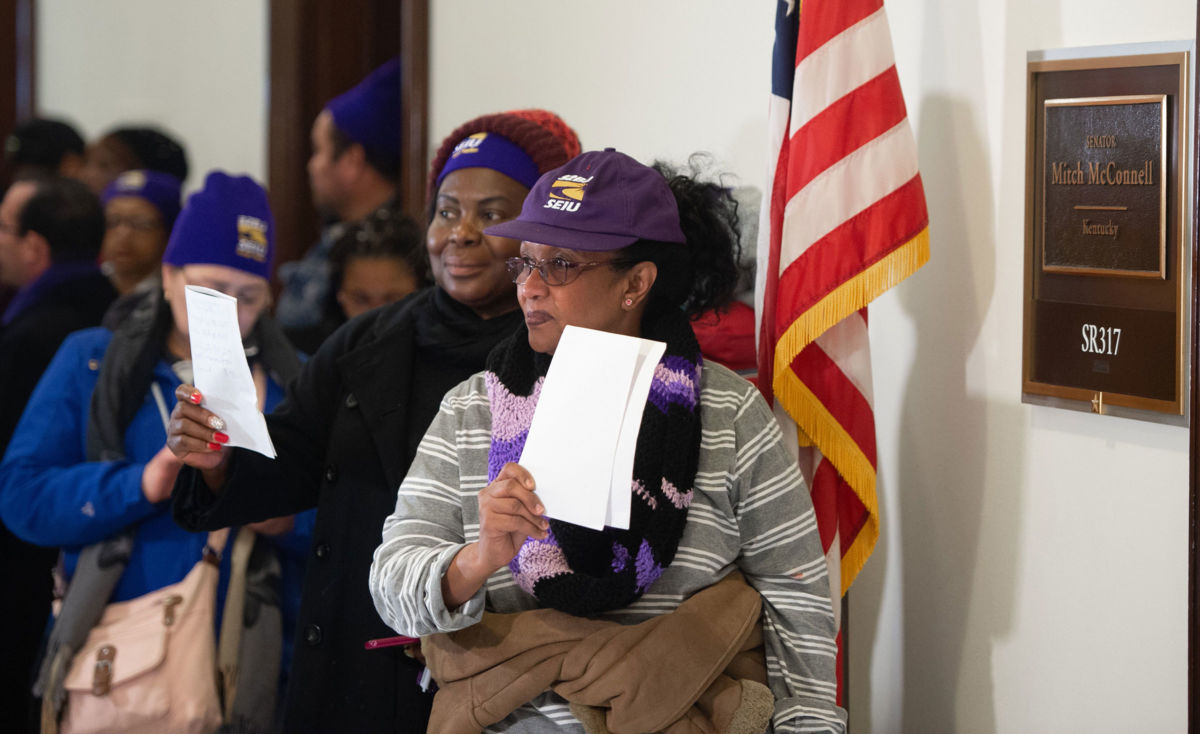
(228, 222)
(369, 113)
(598, 201)
(490, 150)
(160, 189)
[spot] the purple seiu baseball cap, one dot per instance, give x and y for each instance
(598, 201)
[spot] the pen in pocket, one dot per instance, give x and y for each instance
(391, 642)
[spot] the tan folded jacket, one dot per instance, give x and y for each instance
(697, 669)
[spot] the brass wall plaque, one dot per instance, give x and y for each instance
(1105, 266)
(1105, 192)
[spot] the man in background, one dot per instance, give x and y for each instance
(50, 234)
(43, 147)
(352, 172)
(40, 148)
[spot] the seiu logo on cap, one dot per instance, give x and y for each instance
(252, 238)
(566, 192)
(469, 144)
(131, 181)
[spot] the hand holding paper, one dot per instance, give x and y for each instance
(584, 432)
(220, 370)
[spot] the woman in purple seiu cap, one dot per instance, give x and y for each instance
(351, 422)
(88, 466)
(711, 612)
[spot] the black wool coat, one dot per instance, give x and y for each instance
(27, 344)
(29, 341)
(345, 435)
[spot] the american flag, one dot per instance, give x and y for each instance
(843, 220)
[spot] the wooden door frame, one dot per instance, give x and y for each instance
(320, 48)
(414, 90)
(17, 88)
(1193, 452)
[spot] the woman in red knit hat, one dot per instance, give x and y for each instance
(349, 426)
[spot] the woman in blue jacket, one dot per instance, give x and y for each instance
(88, 460)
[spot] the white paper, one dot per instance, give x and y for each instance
(584, 432)
(619, 496)
(220, 370)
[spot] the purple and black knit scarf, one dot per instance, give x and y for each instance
(577, 569)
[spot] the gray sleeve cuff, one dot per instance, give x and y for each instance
(448, 620)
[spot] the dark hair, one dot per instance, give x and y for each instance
(68, 215)
(386, 164)
(384, 233)
(42, 143)
(701, 275)
(154, 150)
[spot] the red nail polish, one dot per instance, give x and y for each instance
(220, 437)
(214, 446)
(194, 398)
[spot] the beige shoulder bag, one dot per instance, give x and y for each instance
(149, 665)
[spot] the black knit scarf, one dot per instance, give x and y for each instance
(577, 569)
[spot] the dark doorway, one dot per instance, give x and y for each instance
(318, 49)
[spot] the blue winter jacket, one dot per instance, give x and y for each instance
(50, 495)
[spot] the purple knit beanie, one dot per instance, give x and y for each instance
(228, 222)
(161, 190)
(369, 113)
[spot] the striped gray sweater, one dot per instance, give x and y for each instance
(750, 510)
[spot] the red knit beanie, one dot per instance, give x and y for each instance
(543, 136)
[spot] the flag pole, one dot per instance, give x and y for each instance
(844, 673)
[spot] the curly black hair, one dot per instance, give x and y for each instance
(386, 232)
(701, 275)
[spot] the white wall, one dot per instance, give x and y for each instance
(652, 79)
(198, 70)
(1032, 573)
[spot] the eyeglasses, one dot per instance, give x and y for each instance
(137, 224)
(555, 271)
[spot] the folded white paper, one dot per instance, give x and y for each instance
(584, 432)
(620, 491)
(220, 370)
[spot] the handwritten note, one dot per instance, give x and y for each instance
(584, 432)
(220, 370)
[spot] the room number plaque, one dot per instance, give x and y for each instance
(1105, 267)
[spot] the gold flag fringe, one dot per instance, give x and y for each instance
(851, 296)
(855, 557)
(844, 453)
(812, 418)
